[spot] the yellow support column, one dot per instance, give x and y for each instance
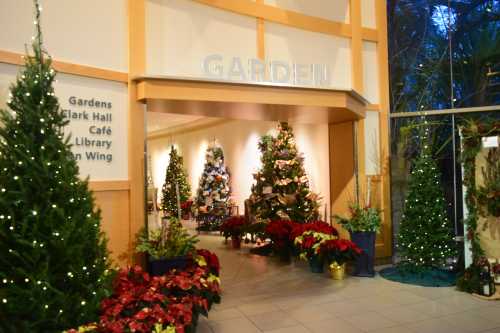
(136, 132)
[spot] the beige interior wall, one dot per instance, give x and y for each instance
(85, 32)
(181, 33)
(334, 10)
(239, 139)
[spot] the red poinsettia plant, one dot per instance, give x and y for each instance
(210, 259)
(279, 232)
(317, 226)
(233, 227)
(339, 251)
(168, 303)
(186, 206)
(309, 243)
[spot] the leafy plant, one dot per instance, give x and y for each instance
(168, 242)
(363, 219)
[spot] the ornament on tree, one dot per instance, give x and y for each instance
(281, 190)
(213, 190)
(176, 174)
(53, 253)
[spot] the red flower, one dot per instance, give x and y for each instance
(340, 250)
(318, 226)
(233, 226)
(211, 259)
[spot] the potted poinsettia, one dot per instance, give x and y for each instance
(496, 273)
(234, 228)
(279, 232)
(169, 247)
(337, 253)
(308, 245)
(186, 207)
(363, 224)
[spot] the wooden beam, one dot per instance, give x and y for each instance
(261, 35)
(14, 58)
(136, 132)
(109, 185)
(383, 67)
(287, 17)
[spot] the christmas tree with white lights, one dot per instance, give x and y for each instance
(281, 190)
(53, 255)
(425, 238)
(175, 177)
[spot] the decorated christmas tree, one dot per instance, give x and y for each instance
(212, 199)
(53, 256)
(281, 190)
(425, 238)
(176, 176)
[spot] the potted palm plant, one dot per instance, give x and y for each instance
(363, 224)
(169, 247)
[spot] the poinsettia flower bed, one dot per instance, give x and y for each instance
(168, 303)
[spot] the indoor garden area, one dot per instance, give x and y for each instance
(246, 166)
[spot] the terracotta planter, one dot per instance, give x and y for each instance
(236, 242)
(337, 271)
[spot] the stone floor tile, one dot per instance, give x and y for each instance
(257, 308)
(470, 322)
(310, 313)
(435, 325)
(368, 321)
(402, 314)
(273, 320)
(237, 325)
(344, 308)
(225, 314)
(292, 329)
(395, 329)
(488, 312)
(435, 309)
(334, 325)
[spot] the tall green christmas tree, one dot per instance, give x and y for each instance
(281, 190)
(212, 198)
(53, 255)
(425, 238)
(176, 175)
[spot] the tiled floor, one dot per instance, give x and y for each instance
(262, 295)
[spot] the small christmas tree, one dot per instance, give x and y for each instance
(212, 199)
(425, 237)
(53, 256)
(282, 189)
(176, 175)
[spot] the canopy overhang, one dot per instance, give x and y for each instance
(247, 101)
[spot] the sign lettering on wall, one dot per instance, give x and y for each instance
(253, 70)
(96, 145)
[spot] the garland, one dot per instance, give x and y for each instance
(472, 135)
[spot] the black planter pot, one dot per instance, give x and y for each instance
(365, 263)
(158, 267)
